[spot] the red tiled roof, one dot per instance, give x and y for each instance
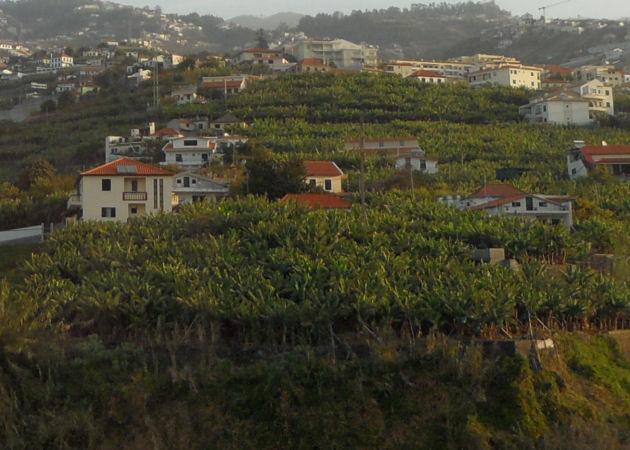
(322, 169)
(604, 150)
(111, 169)
(326, 201)
(497, 190)
(554, 68)
(426, 74)
(312, 62)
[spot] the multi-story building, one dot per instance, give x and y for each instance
(121, 190)
(562, 109)
(448, 69)
(606, 74)
(599, 96)
(189, 152)
(338, 52)
(509, 76)
(61, 61)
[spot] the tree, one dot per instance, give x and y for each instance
(274, 178)
(36, 170)
(65, 99)
(261, 40)
(48, 106)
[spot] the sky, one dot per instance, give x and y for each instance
(610, 9)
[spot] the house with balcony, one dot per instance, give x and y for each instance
(121, 190)
(599, 96)
(189, 152)
(516, 75)
(428, 77)
(506, 200)
(565, 108)
(190, 187)
(612, 159)
(341, 53)
(325, 175)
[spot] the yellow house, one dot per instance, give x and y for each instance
(123, 189)
(324, 174)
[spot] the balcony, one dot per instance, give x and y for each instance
(135, 196)
(74, 201)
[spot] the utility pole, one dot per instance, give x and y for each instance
(362, 178)
(156, 89)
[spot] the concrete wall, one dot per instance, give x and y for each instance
(24, 235)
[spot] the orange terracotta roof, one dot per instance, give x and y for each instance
(604, 150)
(325, 201)
(111, 169)
(426, 74)
(312, 62)
(497, 190)
(322, 169)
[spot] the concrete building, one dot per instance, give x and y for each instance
(509, 76)
(338, 52)
(189, 152)
(190, 187)
(599, 96)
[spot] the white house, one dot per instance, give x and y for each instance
(189, 152)
(506, 200)
(121, 190)
(190, 187)
(61, 61)
(562, 109)
(392, 145)
(184, 95)
(599, 96)
(515, 76)
(416, 160)
(613, 159)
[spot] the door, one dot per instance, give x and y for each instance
(529, 203)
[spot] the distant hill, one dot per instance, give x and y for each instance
(290, 19)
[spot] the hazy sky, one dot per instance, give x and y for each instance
(611, 9)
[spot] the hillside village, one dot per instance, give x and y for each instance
(217, 237)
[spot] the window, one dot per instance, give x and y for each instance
(106, 185)
(542, 204)
(423, 165)
(328, 185)
(161, 194)
(178, 157)
(155, 194)
(108, 212)
(134, 210)
(134, 185)
(193, 181)
(381, 144)
(186, 181)
(179, 181)
(190, 142)
(516, 204)
(573, 171)
(312, 182)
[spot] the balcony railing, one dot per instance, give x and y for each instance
(135, 196)
(74, 200)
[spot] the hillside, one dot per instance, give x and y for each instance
(288, 19)
(436, 31)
